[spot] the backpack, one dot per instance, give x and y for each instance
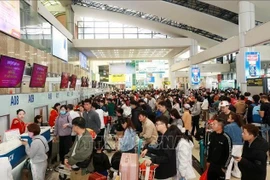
(256, 118)
(266, 118)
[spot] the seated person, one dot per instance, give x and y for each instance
(38, 120)
(128, 141)
(117, 126)
(149, 133)
(101, 160)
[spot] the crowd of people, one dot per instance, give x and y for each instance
(166, 121)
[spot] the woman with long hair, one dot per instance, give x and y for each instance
(184, 148)
(54, 114)
(176, 118)
(233, 129)
(128, 141)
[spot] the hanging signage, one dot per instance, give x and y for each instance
(117, 78)
(195, 75)
(255, 82)
(253, 64)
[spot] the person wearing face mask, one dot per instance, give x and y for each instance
(37, 152)
(62, 130)
(17, 123)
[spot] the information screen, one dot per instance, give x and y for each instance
(11, 72)
(39, 75)
(60, 45)
(10, 18)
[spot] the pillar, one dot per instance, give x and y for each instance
(70, 19)
(172, 77)
(193, 51)
(246, 21)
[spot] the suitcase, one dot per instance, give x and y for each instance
(96, 176)
(129, 167)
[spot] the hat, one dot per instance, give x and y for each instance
(224, 103)
(186, 106)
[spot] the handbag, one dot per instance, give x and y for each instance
(204, 175)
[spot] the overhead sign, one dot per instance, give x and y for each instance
(255, 82)
(195, 75)
(114, 78)
(253, 64)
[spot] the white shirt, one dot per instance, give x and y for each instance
(73, 114)
(101, 117)
(205, 104)
(73, 152)
(152, 103)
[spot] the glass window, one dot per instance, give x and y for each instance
(115, 24)
(145, 36)
(102, 30)
(130, 30)
(80, 23)
(89, 36)
(116, 30)
(88, 24)
(130, 36)
(159, 36)
(116, 36)
(80, 36)
(46, 31)
(80, 30)
(102, 24)
(88, 30)
(144, 31)
(102, 36)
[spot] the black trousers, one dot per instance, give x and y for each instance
(195, 124)
(65, 143)
(215, 173)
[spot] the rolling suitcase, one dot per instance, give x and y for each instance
(129, 167)
(96, 176)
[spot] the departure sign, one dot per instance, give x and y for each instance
(255, 82)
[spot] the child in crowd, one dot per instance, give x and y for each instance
(101, 160)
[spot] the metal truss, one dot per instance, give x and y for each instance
(210, 10)
(134, 13)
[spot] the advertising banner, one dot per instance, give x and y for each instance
(195, 75)
(117, 78)
(104, 73)
(253, 65)
(38, 77)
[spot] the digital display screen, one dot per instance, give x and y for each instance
(64, 80)
(39, 75)
(83, 60)
(73, 81)
(60, 45)
(11, 72)
(10, 18)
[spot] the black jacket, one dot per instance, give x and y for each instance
(101, 162)
(220, 149)
(135, 118)
(254, 158)
(165, 156)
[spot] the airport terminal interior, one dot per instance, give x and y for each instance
(134, 89)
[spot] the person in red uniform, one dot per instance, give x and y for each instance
(17, 123)
(54, 114)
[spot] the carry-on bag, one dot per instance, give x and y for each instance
(96, 176)
(129, 167)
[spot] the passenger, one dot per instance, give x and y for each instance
(241, 106)
(164, 154)
(73, 114)
(91, 117)
(254, 117)
(38, 120)
(265, 114)
(117, 126)
(225, 111)
(233, 129)
(54, 114)
(128, 141)
(103, 106)
(101, 160)
(149, 132)
(100, 112)
(220, 149)
(176, 118)
(62, 131)
(176, 104)
(37, 152)
(195, 113)
(151, 102)
(135, 115)
(111, 107)
(81, 110)
(253, 161)
(184, 148)
(18, 123)
(205, 108)
(187, 117)
(79, 156)
(162, 106)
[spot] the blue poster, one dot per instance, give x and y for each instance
(253, 64)
(195, 76)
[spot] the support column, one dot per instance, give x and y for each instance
(246, 22)
(172, 77)
(193, 51)
(70, 19)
